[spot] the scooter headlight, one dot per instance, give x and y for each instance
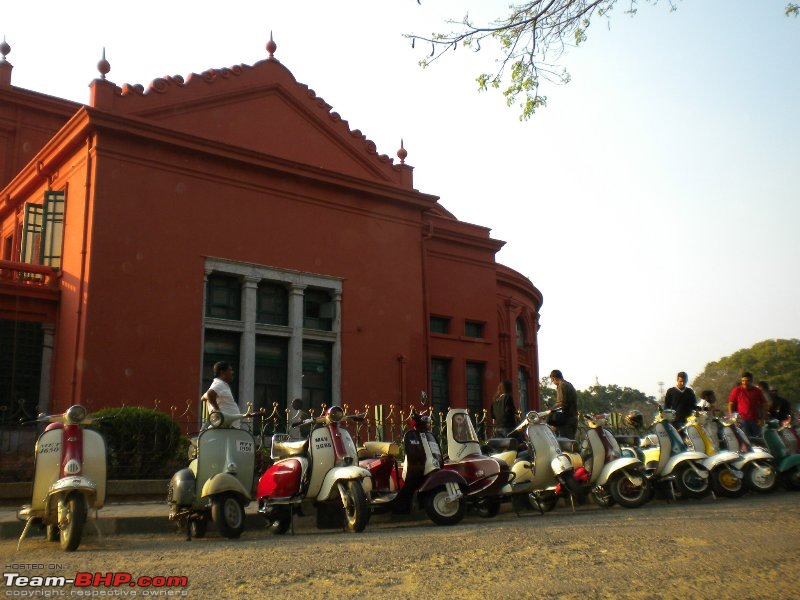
(532, 417)
(215, 419)
(335, 413)
(75, 414)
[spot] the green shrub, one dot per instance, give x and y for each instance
(141, 443)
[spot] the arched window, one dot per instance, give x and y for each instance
(520, 333)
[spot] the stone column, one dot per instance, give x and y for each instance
(294, 384)
(247, 348)
(47, 366)
(336, 353)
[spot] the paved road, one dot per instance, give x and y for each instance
(744, 548)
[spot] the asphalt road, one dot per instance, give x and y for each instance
(743, 548)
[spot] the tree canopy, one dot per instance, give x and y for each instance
(531, 40)
(774, 361)
(604, 398)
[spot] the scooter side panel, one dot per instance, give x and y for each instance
(48, 467)
(441, 477)
(94, 464)
(282, 479)
(789, 462)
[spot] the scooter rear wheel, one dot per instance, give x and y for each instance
(228, 514)
(74, 517)
(488, 508)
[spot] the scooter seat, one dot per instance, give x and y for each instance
(287, 448)
(503, 444)
(376, 449)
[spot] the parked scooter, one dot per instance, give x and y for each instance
(542, 471)
(790, 436)
(419, 480)
(668, 461)
(487, 478)
(69, 478)
(613, 478)
(217, 485)
(755, 462)
(726, 480)
(320, 471)
(788, 465)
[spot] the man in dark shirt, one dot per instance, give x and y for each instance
(780, 408)
(567, 400)
(681, 399)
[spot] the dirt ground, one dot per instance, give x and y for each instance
(744, 548)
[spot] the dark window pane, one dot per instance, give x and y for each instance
(473, 329)
(273, 304)
(440, 385)
(317, 384)
(474, 387)
(318, 310)
(224, 297)
(520, 333)
(440, 325)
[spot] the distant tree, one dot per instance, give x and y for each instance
(613, 398)
(547, 393)
(775, 361)
(531, 40)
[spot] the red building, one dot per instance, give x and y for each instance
(233, 215)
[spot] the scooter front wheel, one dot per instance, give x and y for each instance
(725, 483)
(228, 514)
(689, 483)
(761, 478)
(73, 518)
(627, 493)
(356, 509)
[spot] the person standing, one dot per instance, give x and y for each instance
(681, 399)
(219, 397)
(750, 403)
(780, 408)
(503, 411)
(567, 401)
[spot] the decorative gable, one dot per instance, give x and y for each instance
(261, 108)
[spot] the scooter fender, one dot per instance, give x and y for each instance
(440, 478)
(560, 464)
(615, 465)
(691, 456)
(789, 463)
(328, 489)
(755, 454)
(75, 483)
(719, 458)
(224, 482)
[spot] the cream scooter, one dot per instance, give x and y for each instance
(69, 478)
(218, 483)
(726, 480)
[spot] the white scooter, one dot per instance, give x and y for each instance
(69, 478)
(668, 461)
(726, 479)
(545, 470)
(755, 462)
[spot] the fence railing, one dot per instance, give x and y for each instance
(157, 452)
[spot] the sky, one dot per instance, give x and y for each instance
(655, 201)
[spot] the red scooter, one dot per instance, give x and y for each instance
(488, 479)
(420, 477)
(319, 472)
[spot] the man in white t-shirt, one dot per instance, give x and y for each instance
(219, 396)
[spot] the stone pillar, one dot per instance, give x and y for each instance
(294, 387)
(247, 345)
(47, 366)
(336, 353)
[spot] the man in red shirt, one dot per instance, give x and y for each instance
(750, 403)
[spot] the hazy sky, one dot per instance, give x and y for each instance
(655, 202)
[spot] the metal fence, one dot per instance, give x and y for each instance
(145, 446)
